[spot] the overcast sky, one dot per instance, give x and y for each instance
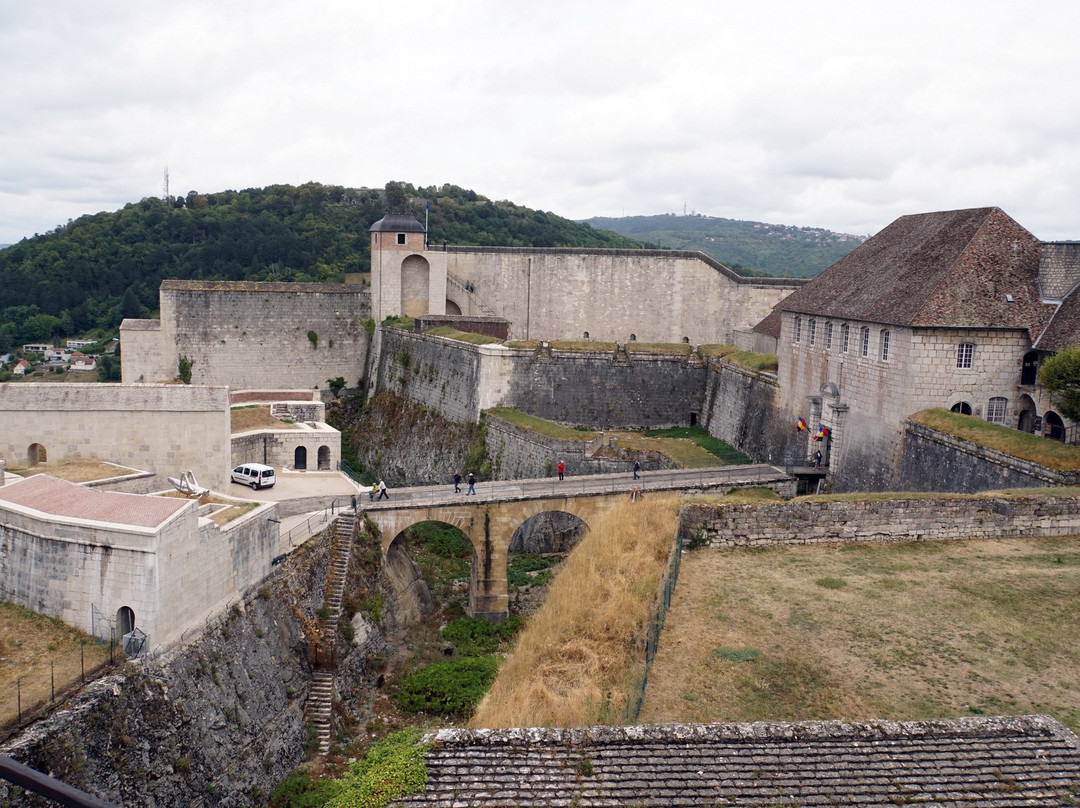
(834, 114)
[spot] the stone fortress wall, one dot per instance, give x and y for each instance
(165, 429)
(654, 295)
(247, 334)
(597, 389)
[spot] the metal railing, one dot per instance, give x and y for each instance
(596, 484)
(49, 787)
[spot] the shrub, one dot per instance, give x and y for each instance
(392, 768)
(313, 338)
(184, 365)
(475, 636)
(448, 688)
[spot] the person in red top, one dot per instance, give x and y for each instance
(562, 468)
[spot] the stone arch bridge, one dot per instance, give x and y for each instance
(491, 517)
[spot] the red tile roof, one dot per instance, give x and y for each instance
(54, 497)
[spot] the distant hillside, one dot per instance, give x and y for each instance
(98, 269)
(769, 249)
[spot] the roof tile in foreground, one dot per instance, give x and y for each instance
(54, 497)
(1028, 760)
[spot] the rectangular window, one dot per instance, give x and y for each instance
(400, 238)
(865, 341)
(798, 329)
(813, 332)
(885, 338)
(964, 352)
(828, 336)
(845, 333)
(995, 410)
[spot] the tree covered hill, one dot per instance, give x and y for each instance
(98, 269)
(747, 247)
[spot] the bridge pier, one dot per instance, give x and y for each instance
(488, 589)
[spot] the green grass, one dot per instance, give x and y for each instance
(462, 336)
(699, 435)
(443, 555)
(1045, 452)
(539, 425)
(748, 359)
(680, 348)
(448, 688)
(521, 564)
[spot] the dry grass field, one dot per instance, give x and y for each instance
(905, 631)
(41, 652)
(244, 419)
(574, 663)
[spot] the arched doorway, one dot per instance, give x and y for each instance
(35, 454)
(1030, 371)
(961, 407)
(415, 284)
(452, 307)
(1055, 427)
(1027, 419)
(125, 620)
(324, 458)
(300, 458)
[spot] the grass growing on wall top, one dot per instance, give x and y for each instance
(748, 359)
(462, 336)
(565, 345)
(700, 435)
(681, 348)
(1045, 452)
(539, 425)
(574, 662)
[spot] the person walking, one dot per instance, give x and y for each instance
(562, 468)
(374, 490)
(382, 490)
(472, 484)
(637, 468)
(457, 482)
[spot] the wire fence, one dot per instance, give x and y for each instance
(652, 641)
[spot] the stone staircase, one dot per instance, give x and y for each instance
(321, 697)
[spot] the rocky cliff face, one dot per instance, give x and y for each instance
(219, 723)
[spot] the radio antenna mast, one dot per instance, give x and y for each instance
(165, 191)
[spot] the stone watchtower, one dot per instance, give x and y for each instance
(406, 278)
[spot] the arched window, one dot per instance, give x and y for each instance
(686, 340)
(633, 337)
(813, 331)
(586, 336)
(965, 351)
(864, 341)
(886, 339)
(845, 334)
(962, 407)
(828, 336)
(798, 329)
(995, 410)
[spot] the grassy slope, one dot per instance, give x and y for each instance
(907, 631)
(1049, 453)
(573, 665)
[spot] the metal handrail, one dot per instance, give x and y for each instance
(48, 787)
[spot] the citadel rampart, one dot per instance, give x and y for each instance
(166, 429)
(890, 520)
(656, 295)
(600, 389)
(248, 334)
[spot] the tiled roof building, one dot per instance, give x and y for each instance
(1029, 761)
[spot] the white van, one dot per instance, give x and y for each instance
(254, 474)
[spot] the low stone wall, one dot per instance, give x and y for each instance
(892, 520)
(934, 461)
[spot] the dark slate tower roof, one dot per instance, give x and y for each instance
(974, 762)
(396, 223)
(959, 269)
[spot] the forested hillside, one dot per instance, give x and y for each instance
(752, 248)
(98, 269)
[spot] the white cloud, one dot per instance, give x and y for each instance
(842, 116)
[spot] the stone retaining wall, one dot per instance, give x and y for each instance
(891, 520)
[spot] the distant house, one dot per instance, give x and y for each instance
(80, 361)
(57, 354)
(36, 347)
(21, 367)
(78, 343)
(954, 309)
